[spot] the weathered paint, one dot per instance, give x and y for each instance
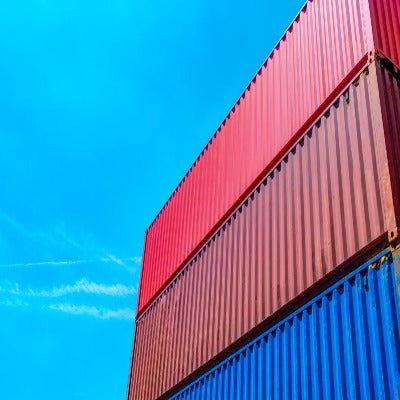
(343, 344)
(328, 198)
(321, 50)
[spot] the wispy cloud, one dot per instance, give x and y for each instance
(96, 312)
(14, 303)
(61, 232)
(123, 261)
(14, 224)
(57, 237)
(109, 259)
(55, 263)
(81, 286)
(100, 312)
(116, 260)
(45, 238)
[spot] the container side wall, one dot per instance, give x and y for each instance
(324, 202)
(389, 91)
(343, 344)
(385, 16)
(319, 50)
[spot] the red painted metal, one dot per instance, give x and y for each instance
(385, 18)
(308, 66)
(305, 67)
(327, 199)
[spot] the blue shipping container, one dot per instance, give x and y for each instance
(343, 344)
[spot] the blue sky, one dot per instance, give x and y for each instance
(103, 107)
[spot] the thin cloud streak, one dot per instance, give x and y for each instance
(136, 260)
(14, 303)
(126, 314)
(81, 286)
(103, 313)
(122, 261)
(51, 237)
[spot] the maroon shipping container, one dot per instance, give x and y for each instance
(317, 56)
(326, 200)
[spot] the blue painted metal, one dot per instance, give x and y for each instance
(343, 344)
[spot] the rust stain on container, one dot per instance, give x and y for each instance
(328, 198)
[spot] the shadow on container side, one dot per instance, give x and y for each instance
(344, 343)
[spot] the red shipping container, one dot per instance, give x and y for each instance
(316, 57)
(325, 201)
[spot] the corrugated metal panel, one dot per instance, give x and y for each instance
(344, 344)
(327, 199)
(390, 98)
(385, 17)
(319, 50)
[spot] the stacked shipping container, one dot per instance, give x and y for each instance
(327, 199)
(344, 344)
(288, 202)
(316, 57)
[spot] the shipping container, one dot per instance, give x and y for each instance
(385, 20)
(327, 199)
(343, 344)
(389, 91)
(316, 57)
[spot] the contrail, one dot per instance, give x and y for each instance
(73, 262)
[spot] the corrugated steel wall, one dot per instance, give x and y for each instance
(327, 199)
(389, 91)
(344, 344)
(386, 27)
(322, 46)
